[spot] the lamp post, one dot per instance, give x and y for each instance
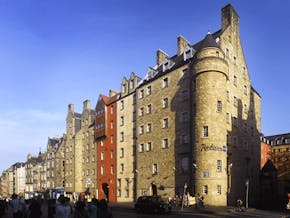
(247, 193)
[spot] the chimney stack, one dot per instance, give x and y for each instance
(161, 56)
(181, 44)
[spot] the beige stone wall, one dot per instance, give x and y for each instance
(126, 141)
(125, 149)
(88, 152)
(210, 87)
(59, 167)
(243, 136)
(170, 176)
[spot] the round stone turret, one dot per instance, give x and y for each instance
(210, 151)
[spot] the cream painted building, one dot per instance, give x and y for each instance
(126, 140)
(199, 127)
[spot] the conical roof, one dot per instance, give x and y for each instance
(208, 41)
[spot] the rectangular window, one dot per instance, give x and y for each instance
(118, 183)
(122, 152)
(228, 96)
(165, 82)
(228, 117)
(141, 111)
(124, 88)
(149, 146)
(122, 121)
(165, 143)
(132, 84)
(149, 108)
(149, 90)
(205, 174)
(154, 169)
(112, 139)
(102, 155)
(165, 102)
(235, 81)
(149, 127)
(205, 189)
(205, 131)
(112, 154)
(141, 131)
(112, 109)
(141, 148)
(122, 168)
(165, 123)
(102, 170)
(235, 101)
(122, 105)
(219, 189)
(141, 93)
(245, 90)
(122, 136)
(219, 166)
(219, 106)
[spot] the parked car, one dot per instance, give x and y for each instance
(152, 204)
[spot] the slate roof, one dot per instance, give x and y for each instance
(178, 60)
(280, 137)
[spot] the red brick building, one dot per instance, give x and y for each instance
(105, 135)
(266, 151)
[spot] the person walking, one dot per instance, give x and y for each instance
(63, 209)
(17, 206)
(34, 209)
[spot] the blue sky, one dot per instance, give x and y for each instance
(57, 52)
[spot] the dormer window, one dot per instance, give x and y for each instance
(167, 65)
(123, 88)
(188, 53)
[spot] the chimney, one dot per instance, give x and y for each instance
(87, 105)
(230, 18)
(161, 55)
(181, 44)
(71, 108)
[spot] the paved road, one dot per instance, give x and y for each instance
(126, 210)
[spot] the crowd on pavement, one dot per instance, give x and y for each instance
(60, 208)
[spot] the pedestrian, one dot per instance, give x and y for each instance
(2, 208)
(200, 201)
(63, 208)
(17, 206)
(80, 209)
(35, 209)
(93, 208)
(104, 210)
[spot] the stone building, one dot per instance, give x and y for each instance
(19, 178)
(4, 188)
(198, 120)
(105, 136)
(60, 164)
(126, 140)
(87, 151)
(31, 174)
(52, 146)
(280, 158)
(73, 125)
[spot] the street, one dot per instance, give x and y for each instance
(126, 210)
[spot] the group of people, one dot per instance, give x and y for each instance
(82, 208)
(25, 209)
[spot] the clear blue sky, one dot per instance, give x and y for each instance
(57, 52)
